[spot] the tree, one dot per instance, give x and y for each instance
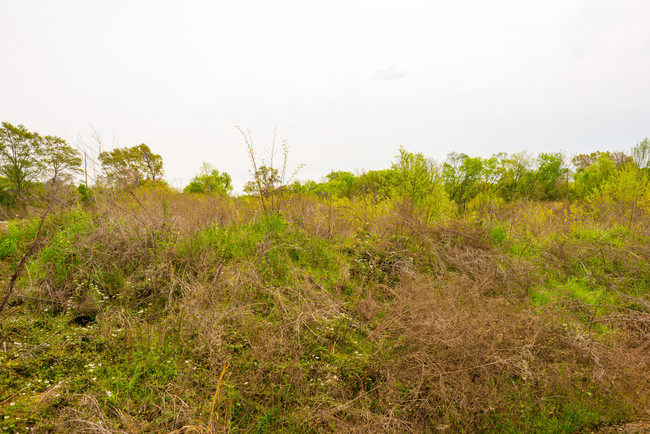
(462, 175)
(414, 175)
(516, 177)
(340, 184)
(268, 182)
(418, 182)
(151, 164)
(628, 190)
(549, 174)
(210, 181)
(588, 180)
(492, 171)
(641, 155)
(451, 173)
(19, 156)
(131, 166)
(58, 158)
(118, 167)
(265, 181)
(582, 161)
(377, 184)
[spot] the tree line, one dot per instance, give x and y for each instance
(505, 177)
(29, 161)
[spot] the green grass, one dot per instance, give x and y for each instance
(572, 289)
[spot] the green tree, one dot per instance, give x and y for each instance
(378, 185)
(628, 190)
(131, 166)
(19, 157)
(462, 175)
(582, 161)
(516, 175)
(58, 158)
(492, 173)
(210, 181)
(418, 182)
(308, 186)
(152, 164)
(451, 173)
(265, 182)
(340, 184)
(591, 178)
(549, 175)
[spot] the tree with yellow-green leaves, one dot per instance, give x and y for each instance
(58, 159)
(210, 181)
(27, 157)
(131, 166)
(19, 162)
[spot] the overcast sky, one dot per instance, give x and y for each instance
(346, 82)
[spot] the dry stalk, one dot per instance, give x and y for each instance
(216, 394)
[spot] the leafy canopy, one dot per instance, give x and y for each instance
(131, 166)
(210, 181)
(27, 157)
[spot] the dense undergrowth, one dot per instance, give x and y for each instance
(161, 312)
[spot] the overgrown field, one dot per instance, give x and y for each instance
(170, 312)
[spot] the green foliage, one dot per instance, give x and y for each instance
(266, 181)
(27, 157)
(583, 161)
(131, 166)
(515, 175)
(19, 233)
(576, 290)
(499, 234)
(19, 156)
(627, 193)
(86, 193)
(568, 412)
(276, 246)
(210, 181)
(462, 175)
(591, 178)
(339, 184)
(627, 186)
(59, 158)
(485, 204)
(550, 173)
(418, 182)
(7, 199)
(57, 259)
(378, 185)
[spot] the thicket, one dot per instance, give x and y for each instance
(494, 295)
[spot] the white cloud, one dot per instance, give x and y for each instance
(390, 72)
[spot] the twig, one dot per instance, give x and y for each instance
(216, 394)
(3, 402)
(36, 347)
(28, 297)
